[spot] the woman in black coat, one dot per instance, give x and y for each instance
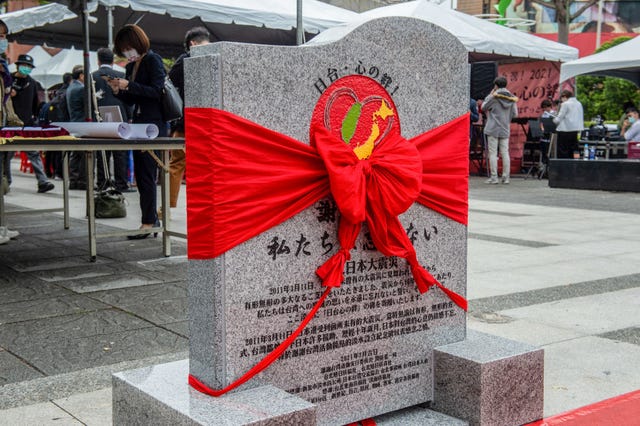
(141, 88)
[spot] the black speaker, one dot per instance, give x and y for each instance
(482, 76)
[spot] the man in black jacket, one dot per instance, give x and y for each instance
(24, 95)
(197, 36)
(105, 97)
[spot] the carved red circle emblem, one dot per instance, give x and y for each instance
(358, 111)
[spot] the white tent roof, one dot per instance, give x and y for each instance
(256, 21)
(50, 72)
(483, 39)
(621, 61)
(36, 17)
(38, 54)
(317, 15)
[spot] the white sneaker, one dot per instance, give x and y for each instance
(4, 240)
(505, 180)
(492, 181)
(6, 232)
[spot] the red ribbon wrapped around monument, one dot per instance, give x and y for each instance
(255, 178)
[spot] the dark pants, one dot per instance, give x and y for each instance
(120, 166)
(53, 164)
(77, 169)
(6, 164)
(146, 172)
(567, 144)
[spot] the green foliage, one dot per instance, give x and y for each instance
(605, 96)
(168, 63)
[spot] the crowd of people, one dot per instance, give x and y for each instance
(499, 108)
(137, 93)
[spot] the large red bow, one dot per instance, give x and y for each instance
(254, 178)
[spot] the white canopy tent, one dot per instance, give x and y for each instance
(50, 72)
(621, 61)
(166, 21)
(483, 39)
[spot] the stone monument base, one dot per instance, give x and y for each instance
(160, 395)
(484, 380)
(489, 380)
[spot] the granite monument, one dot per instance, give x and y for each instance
(253, 272)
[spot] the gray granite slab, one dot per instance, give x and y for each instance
(489, 380)
(181, 328)
(69, 355)
(628, 335)
(13, 369)
(49, 307)
(158, 304)
(368, 351)
(109, 282)
(16, 287)
(24, 251)
(86, 340)
(417, 416)
(31, 264)
(137, 250)
(160, 395)
(552, 294)
(74, 273)
(43, 389)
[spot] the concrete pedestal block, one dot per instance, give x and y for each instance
(160, 395)
(417, 416)
(489, 380)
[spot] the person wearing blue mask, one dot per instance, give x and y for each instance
(631, 126)
(24, 94)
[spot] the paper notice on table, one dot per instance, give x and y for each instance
(110, 130)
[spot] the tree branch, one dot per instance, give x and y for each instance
(582, 9)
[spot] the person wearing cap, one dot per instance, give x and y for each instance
(24, 95)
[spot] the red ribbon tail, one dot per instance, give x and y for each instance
(455, 297)
(331, 271)
(424, 280)
(363, 422)
(264, 362)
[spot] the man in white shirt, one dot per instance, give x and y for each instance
(631, 126)
(570, 122)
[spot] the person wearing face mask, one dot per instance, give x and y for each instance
(141, 89)
(24, 95)
(631, 126)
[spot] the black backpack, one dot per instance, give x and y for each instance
(58, 110)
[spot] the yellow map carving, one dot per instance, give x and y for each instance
(364, 151)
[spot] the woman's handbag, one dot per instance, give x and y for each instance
(108, 201)
(171, 102)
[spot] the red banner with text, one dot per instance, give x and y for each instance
(531, 82)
